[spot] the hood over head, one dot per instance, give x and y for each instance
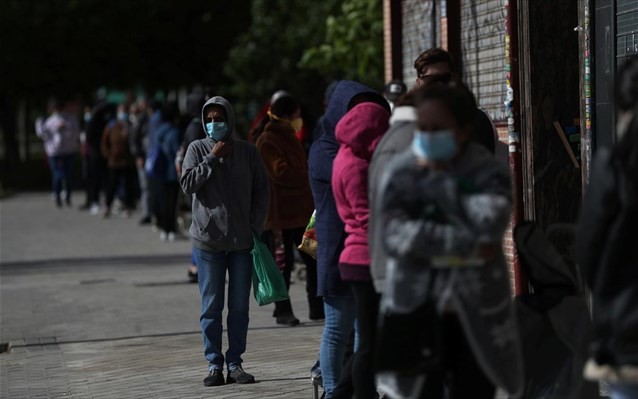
(362, 128)
(343, 93)
(230, 113)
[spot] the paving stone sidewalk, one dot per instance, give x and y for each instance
(101, 309)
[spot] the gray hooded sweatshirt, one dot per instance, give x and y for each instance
(230, 195)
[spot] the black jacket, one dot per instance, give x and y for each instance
(606, 250)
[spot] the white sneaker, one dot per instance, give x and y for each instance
(163, 236)
(171, 236)
(95, 209)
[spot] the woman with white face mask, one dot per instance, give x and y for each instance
(445, 206)
(291, 202)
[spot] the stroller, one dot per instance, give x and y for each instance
(554, 320)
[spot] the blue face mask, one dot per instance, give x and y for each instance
(217, 130)
(122, 116)
(434, 146)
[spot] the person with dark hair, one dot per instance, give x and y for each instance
(116, 148)
(101, 114)
(61, 135)
(605, 246)
(164, 186)
(229, 186)
(446, 311)
(140, 139)
(436, 66)
(339, 304)
(290, 198)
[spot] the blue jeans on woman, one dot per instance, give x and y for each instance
(61, 168)
(211, 269)
(624, 391)
(340, 320)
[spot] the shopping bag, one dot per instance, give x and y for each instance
(268, 282)
(309, 239)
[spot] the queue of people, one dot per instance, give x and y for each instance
(411, 208)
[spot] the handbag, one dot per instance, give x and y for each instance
(268, 283)
(309, 240)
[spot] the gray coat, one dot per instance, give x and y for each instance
(432, 222)
(395, 141)
(230, 196)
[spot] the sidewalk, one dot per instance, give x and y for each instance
(101, 309)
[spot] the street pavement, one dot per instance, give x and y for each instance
(98, 308)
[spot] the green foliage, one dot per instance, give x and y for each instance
(266, 57)
(353, 46)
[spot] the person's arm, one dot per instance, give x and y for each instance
(196, 169)
(260, 198)
(408, 232)
(280, 171)
(355, 190)
(105, 144)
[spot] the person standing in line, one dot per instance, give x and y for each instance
(194, 103)
(165, 187)
(116, 149)
(605, 246)
(445, 206)
(102, 113)
(140, 138)
(291, 202)
(339, 304)
(358, 133)
(61, 135)
(229, 186)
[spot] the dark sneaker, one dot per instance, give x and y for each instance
(215, 378)
(239, 376)
(287, 320)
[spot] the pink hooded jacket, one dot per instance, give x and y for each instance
(358, 134)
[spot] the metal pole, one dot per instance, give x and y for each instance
(512, 108)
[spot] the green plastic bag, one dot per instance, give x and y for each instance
(268, 282)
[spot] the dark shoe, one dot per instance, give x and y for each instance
(145, 220)
(287, 320)
(239, 376)
(192, 277)
(215, 378)
(316, 315)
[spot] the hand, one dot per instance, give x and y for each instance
(221, 149)
(140, 162)
(178, 168)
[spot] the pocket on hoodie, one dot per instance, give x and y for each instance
(201, 217)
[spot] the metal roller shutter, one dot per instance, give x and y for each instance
(483, 44)
(626, 29)
(421, 31)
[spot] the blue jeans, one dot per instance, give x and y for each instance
(61, 167)
(624, 391)
(340, 320)
(211, 270)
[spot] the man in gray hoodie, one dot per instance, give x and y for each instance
(230, 193)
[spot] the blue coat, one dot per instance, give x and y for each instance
(329, 227)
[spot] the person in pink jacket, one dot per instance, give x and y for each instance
(358, 134)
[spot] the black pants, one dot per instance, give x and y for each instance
(116, 176)
(460, 370)
(291, 239)
(164, 196)
(367, 302)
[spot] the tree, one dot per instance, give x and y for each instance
(353, 46)
(266, 57)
